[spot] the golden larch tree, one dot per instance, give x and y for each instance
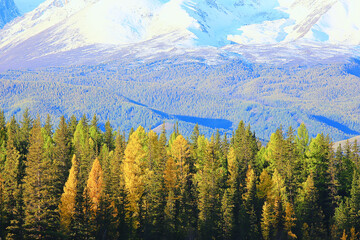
(68, 198)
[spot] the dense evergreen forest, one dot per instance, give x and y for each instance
(75, 181)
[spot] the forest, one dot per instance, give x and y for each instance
(325, 97)
(76, 180)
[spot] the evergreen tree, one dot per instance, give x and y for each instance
(250, 202)
(12, 189)
(61, 156)
(227, 210)
(318, 159)
(108, 136)
(40, 209)
(116, 189)
(3, 136)
(354, 202)
(95, 134)
(2, 210)
(309, 211)
(180, 152)
(208, 180)
(172, 192)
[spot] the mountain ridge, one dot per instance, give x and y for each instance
(59, 26)
(8, 11)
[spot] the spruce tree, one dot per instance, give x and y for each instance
(41, 220)
(208, 180)
(61, 156)
(109, 136)
(250, 203)
(309, 211)
(12, 189)
(116, 189)
(354, 202)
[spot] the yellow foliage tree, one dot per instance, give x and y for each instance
(95, 185)
(133, 171)
(180, 152)
(68, 198)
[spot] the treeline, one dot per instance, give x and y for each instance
(75, 181)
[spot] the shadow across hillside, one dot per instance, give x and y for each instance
(334, 124)
(207, 122)
(354, 68)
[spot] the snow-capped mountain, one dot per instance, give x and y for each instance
(58, 26)
(25, 6)
(330, 21)
(8, 11)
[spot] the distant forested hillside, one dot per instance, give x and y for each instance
(74, 181)
(324, 97)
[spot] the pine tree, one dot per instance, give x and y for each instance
(116, 189)
(3, 129)
(12, 189)
(40, 209)
(95, 134)
(154, 187)
(319, 156)
(108, 136)
(227, 210)
(172, 192)
(180, 152)
(354, 202)
(72, 123)
(3, 136)
(68, 198)
(61, 156)
(309, 211)
(84, 150)
(48, 128)
(231, 203)
(3, 223)
(208, 179)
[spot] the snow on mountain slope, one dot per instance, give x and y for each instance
(8, 11)
(69, 24)
(331, 21)
(160, 26)
(220, 18)
(25, 6)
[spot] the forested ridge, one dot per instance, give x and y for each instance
(129, 93)
(75, 181)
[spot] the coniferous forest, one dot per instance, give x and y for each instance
(76, 181)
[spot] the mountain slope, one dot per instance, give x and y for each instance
(331, 21)
(92, 26)
(325, 97)
(8, 11)
(25, 6)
